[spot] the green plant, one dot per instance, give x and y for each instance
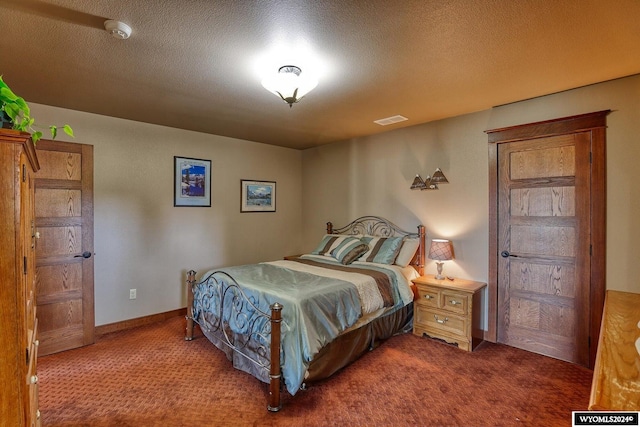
(19, 114)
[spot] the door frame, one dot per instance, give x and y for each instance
(595, 123)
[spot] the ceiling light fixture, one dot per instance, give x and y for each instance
(289, 84)
(117, 29)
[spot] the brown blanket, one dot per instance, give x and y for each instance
(382, 280)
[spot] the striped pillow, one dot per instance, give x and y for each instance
(382, 250)
(328, 243)
(348, 250)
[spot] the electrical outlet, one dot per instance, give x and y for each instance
(132, 294)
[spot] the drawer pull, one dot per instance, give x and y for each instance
(428, 296)
(454, 302)
(34, 379)
(441, 321)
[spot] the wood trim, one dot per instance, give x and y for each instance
(139, 321)
(52, 145)
(549, 127)
(596, 124)
(491, 334)
(86, 207)
(583, 206)
(598, 236)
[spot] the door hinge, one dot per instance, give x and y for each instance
(589, 342)
(590, 157)
(590, 250)
(24, 173)
(27, 353)
(25, 264)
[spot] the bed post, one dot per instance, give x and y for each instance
(422, 249)
(274, 372)
(191, 280)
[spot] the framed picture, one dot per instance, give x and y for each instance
(258, 196)
(192, 182)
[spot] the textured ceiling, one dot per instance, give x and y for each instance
(196, 64)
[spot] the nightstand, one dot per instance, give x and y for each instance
(449, 310)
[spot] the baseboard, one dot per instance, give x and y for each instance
(139, 321)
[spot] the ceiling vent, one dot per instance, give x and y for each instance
(390, 120)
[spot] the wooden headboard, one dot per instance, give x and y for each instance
(376, 226)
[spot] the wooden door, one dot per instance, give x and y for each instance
(547, 236)
(64, 252)
(544, 229)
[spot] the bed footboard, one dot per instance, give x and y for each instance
(241, 305)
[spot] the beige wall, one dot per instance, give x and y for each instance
(142, 241)
(372, 175)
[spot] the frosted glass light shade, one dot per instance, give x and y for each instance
(289, 84)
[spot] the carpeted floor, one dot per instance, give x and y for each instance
(150, 376)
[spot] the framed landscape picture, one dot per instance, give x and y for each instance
(192, 182)
(258, 196)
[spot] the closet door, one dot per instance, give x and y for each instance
(64, 268)
(547, 246)
(544, 229)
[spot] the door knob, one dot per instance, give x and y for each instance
(506, 254)
(85, 254)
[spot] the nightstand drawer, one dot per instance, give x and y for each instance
(454, 302)
(428, 297)
(441, 321)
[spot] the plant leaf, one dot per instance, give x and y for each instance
(11, 110)
(7, 94)
(67, 129)
(36, 136)
(54, 131)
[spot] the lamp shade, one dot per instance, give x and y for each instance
(440, 250)
(289, 84)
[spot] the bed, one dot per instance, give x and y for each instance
(299, 320)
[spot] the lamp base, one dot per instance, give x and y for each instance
(439, 276)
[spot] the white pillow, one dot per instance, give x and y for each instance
(407, 252)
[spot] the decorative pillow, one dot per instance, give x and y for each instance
(329, 242)
(348, 250)
(407, 252)
(383, 250)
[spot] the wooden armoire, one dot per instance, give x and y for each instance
(18, 340)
